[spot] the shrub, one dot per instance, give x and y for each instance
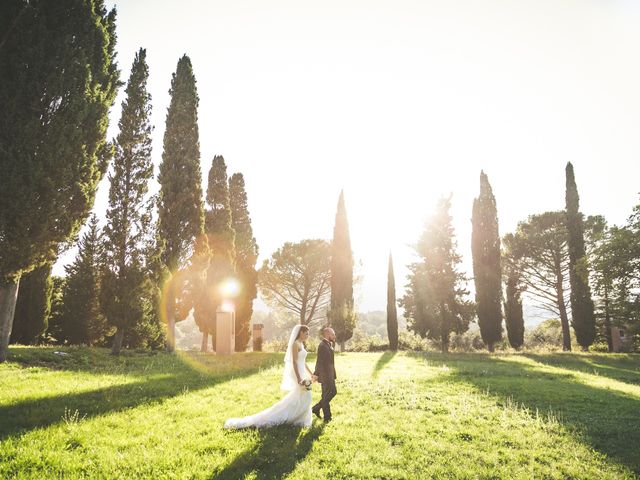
(280, 344)
(547, 334)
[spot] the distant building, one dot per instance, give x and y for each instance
(620, 338)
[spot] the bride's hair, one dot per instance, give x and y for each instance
(303, 328)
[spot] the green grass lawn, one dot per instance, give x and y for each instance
(153, 415)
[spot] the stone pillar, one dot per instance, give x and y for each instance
(257, 337)
(225, 332)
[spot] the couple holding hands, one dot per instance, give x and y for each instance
(295, 408)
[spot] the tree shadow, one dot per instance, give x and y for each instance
(140, 363)
(606, 420)
(385, 358)
(616, 368)
(276, 453)
(22, 416)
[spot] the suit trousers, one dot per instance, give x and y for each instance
(328, 392)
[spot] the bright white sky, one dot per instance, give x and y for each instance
(398, 103)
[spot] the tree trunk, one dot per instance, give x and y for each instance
(8, 298)
(213, 341)
(117, 341)
(445, 344)
(303, 312)
(564, 319)
(566, 334)
(170, 312)
(490, 347)
(607, 320)
(342, 346)
(205, 339)
(444, 328)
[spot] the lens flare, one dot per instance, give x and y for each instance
(230, 288)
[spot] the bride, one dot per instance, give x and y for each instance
(295, 407)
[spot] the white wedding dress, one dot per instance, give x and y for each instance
(293, 409)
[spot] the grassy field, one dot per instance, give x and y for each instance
(153, 415)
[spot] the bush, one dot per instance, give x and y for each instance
(366, 343)
(599, 347)
(469, 341)
(412, 341)
(547, 334)
(361, 342)
(280, 344)
(276, 345)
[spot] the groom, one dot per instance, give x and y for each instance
(326, 373)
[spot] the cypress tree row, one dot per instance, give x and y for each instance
(582, 311)
(123, 285)
(513, 313)
(53, 125)
(221, 239)
(341, 314)
(392, 312)
(246, 257)
(180, 206)
(33, 306)
(81, 318)
(485, 247)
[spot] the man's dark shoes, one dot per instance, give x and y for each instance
(327, 420)
(316, 412)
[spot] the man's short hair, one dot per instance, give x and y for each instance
(325, 330)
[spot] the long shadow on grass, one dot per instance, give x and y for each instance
(83, 359)
(607, 420)
(130, 362)
(276, 454)
(385, 358)
(23, 416)
(616, 368)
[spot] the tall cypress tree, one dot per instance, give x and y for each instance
(54, 332)
(392, 312)
(246, 257)
(53, 125)
(197, 294)
(221, 239)
(485, 247)
(582, 314)
(151, 332)
(180, 208)
(434, 301)
(33, 306)
(127, 220)
(82, 321)
(513, 313)
(341, 315)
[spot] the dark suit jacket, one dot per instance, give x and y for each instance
(325, 369)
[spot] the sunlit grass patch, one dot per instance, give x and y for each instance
(396, 415)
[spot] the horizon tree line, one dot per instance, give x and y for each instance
(551, 258)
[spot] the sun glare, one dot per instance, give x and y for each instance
(230, 288)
